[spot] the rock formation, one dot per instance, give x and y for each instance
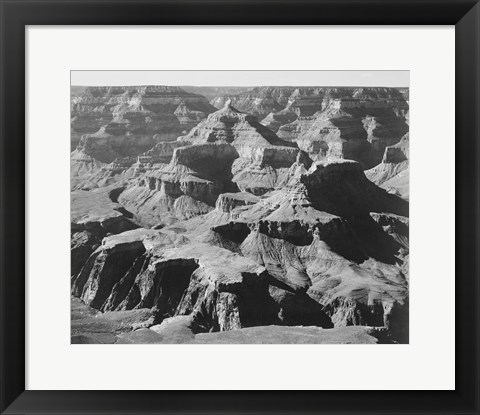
(392, 173)
(352, 123)
(112, 123)
(226, 152)
(212, 92)
(230, 231)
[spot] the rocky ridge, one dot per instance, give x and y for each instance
(233, 227)
(353, 123)
(288, 258)
(392, 174)
(111, 123)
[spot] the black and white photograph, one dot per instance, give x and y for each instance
(235, 207)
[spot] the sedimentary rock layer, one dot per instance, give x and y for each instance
(286, 207)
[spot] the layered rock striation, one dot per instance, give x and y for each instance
(305, 254)
(393, 172)
(227, 152)
(352, 123)
(245, 227)
(111, 123)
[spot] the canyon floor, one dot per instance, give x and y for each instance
(239, 215)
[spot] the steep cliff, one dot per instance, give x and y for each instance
(239, 227)
(393, 172)
(92, 217)
(354, 124)
(111, 123)
(326, 249)
(226, 152)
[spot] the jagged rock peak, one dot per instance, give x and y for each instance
(229, 112)
(232, 126)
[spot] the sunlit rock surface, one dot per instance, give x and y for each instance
(280, 217)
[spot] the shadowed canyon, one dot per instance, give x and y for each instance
(239, 215)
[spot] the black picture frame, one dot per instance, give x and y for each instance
(17, 14)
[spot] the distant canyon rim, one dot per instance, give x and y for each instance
(272, 214)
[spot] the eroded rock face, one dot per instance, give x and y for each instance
(357, 127)
(93, 216)
(232, 227)
(393, 172)
(275, 120)
(157, 109)
(111, 123)
(289, 258)
(257, 101)
(350, 123)
(227, 152)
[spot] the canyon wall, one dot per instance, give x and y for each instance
(282, 207)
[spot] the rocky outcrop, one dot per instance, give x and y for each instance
(354, 123)
(97, 213)
(226, 152)
(393, 172)
(257, 101)
(155, 108)
(227, 202)
(263, 101)
(230, 125)
(336, 254)
(260, 152)
(139, 326)
(233, 229)
(93, 216)
(275, 120)
(217, 287)
(122, 170)
(188, 186)
(111, 123)
(326, 249)
(89, 326)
